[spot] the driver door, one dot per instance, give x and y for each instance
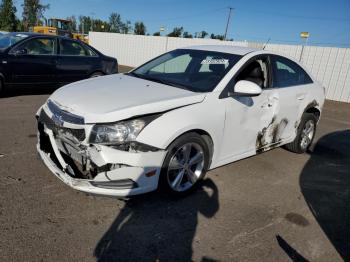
(249, 118)
(33, 61)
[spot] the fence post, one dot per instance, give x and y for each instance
(166, 43)
(302, 49)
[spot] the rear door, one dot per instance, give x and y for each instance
(75, 62)
(290, 81)
(33, 61)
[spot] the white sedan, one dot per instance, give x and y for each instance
(169, 121)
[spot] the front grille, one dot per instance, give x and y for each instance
(77, 133)
(50, 124)
(46, 147)
(64, 115)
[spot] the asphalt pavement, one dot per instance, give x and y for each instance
(277, 206)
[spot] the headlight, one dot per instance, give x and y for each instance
(119, 133)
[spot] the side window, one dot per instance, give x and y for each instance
(255, 71)
(178, 64)
(72, 48)
(90, 52)
(38, 46)
(287, 73)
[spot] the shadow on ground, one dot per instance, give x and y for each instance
(154, 227)
(325, 184)
(290, 251)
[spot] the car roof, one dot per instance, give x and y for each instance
(24, 33)
(236, 50)
(31, 34)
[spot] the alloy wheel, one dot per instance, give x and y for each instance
(307, 134)
(185, 167)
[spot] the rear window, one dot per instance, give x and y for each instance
(72, 48)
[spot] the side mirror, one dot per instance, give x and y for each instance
(247, 88)
(22, 51)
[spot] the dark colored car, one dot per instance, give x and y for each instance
(28, 58)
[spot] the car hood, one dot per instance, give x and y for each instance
(118, 97)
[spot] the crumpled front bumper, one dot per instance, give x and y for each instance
(137, 172)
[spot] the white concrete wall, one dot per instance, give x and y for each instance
(134, 50)
(329, 65)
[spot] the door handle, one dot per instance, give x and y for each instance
(301, 97)
(272, 98)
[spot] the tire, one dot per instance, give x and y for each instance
(2, 88)
(178, 176)
(96, 74)
(304, 139)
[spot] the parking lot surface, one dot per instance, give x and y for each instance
(276, 206)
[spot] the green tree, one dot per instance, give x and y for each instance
(101, 26)
(126, 27)
(33, 13)
(85, 23)
(156, 34)
(20, 26)
(73, 19)
(219, 37)
(139, 28)
(8, 20)
(177, 32)
(202, 34)
(115, 23)
(187, 35)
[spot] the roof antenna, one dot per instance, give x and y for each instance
(268, 40)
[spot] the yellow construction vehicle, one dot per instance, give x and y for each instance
(58, 26)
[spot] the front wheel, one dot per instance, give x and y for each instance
(185, 164)
(305, 135)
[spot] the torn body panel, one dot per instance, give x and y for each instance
(98, 169)
(271, 136)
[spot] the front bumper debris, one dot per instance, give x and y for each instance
(95, 169)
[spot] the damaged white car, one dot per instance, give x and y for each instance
(169, 121)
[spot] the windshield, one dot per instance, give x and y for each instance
(194, 70)
(8, 40)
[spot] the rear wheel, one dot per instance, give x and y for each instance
(185, 164)
(305, 135)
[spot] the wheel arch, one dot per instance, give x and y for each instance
(197, 118)
(206, 137)
(315, 111)
(312, 108)
(96, 71)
